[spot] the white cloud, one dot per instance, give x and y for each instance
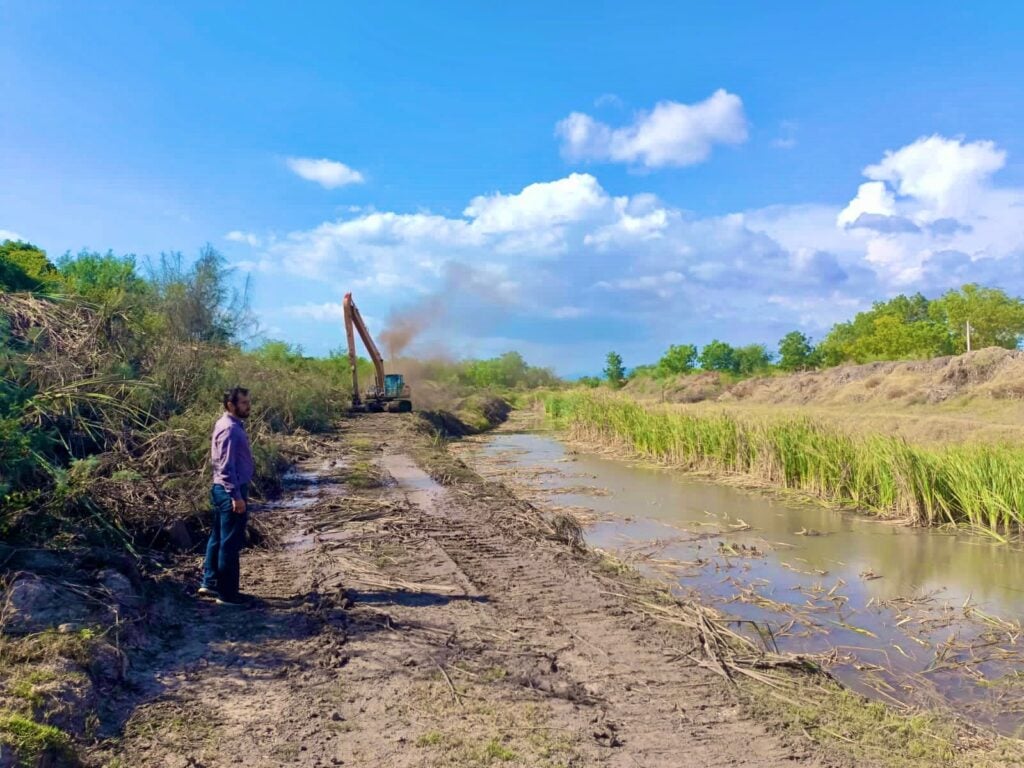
(326, 311)
(238, 236)
(525, 262)
(544, 204)
(329, 174)
(568, 312)
(931, 198)
(787, 135)
(873, 198)
(609, 100)
(943, 174)
(661, 285)
(672, 134)
(6, 234)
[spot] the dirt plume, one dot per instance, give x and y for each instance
(465, 290)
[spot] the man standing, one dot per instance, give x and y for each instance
(232, 471)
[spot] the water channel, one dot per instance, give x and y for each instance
(907, 615)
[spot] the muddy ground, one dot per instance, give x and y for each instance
(406, 622)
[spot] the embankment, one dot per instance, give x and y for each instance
(977, 485)
(976, 397)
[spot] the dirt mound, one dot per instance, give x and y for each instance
(471, 416)
(693, 388)
(993, 373)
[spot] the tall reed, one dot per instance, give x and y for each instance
(974, 484)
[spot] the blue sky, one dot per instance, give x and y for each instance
(556, 178)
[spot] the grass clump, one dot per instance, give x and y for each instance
(870, 731)
(29, 739)
(980, 486)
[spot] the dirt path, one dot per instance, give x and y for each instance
(408, 623)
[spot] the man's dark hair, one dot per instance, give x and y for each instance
(232, 395)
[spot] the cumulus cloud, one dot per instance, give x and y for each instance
(329, 174)
(935, 196)
(941, 173)
(237, 236)
(671, 134)
(541, 205)
(538, 259)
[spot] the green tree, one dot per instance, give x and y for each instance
(679, 359)
(899, 329)
(102, 278)
(997, 320)
(751, 359)
(718, 356)
(199, 304)
(614, 371)
(24, 267)
(795, 352)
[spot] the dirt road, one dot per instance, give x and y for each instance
(408, 622)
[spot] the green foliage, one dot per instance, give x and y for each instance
(751, 359)
(112, 382)
(678, 359)
(30, 739)
(24, 267)
(996, 319)
(718, 356)
(902, 328)
(796, 353)
(614, 371)
(508, 371)
(591, 382)
(103, 279)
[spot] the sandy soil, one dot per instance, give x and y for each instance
(403, 622)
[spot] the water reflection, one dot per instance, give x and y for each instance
(886, 596)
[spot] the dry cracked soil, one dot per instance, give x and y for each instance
(406, 614)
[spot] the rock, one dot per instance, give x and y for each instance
(178, 537)
(35, 604)
(108, 666)
(119, 587)
(46, 561)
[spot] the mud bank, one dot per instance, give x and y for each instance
(410, 613)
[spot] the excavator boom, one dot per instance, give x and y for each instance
(381, 392)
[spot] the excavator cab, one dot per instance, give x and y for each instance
(389, 391)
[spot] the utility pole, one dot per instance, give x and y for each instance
(968, 335)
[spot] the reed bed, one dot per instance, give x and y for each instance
(980, 486)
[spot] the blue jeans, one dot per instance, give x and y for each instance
(227, 536)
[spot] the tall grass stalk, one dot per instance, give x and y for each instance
(981, 486)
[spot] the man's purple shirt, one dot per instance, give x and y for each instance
(230, 455)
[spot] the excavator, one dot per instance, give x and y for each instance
(389, 392)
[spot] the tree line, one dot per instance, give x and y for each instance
(901, 328)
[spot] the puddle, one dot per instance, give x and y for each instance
(910, 614)
(420, 488)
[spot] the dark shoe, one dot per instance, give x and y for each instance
(207, 594)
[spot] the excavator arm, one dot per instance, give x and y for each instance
(354, 319)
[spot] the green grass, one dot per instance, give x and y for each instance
(30, 739)
(977, 485)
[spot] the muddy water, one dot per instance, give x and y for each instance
(902, 614)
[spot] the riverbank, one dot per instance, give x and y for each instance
(411, 613)
(910, 616)
(976, 485)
